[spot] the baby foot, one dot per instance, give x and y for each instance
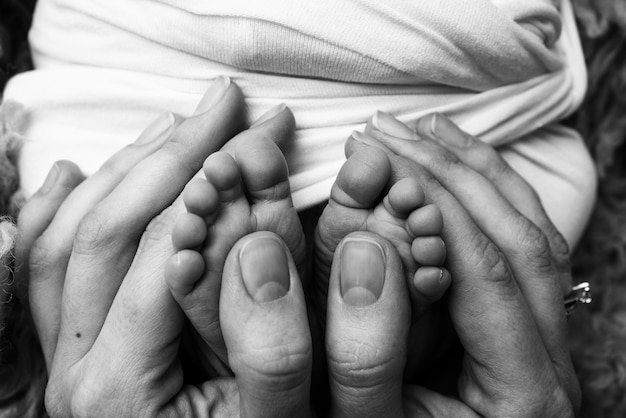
(246, 190)
(358, 203)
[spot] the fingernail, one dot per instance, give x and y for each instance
(362, 272)
(269, 115)
(213, 95)
(445, 130)
(265, 269)
(51, 179)
(388, 124)
(156, 129)
(363, 138)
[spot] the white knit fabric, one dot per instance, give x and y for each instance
(501, 69)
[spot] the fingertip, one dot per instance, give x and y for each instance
(39, 211)
(63, 175)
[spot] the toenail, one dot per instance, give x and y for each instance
(265, 269)
(431, 281)
(362, 271)
(51, 179)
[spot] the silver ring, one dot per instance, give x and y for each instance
(581, 293)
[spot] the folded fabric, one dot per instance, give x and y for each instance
(501, 69)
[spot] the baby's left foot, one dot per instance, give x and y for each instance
(246, 190)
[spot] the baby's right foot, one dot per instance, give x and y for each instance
(358, 203)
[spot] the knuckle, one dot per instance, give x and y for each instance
(441, 157)
(281, 367)
(493, 267)
(560, 251)
(533, 244)
(494, 167)
(359, 364)
(44, 255)
(95, 231)
(487, 160)
(530, 234)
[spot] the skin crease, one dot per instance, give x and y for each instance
(130, 325)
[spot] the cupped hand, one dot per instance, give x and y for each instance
(509, 267)
(93, 253)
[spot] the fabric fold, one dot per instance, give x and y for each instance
(501, 69)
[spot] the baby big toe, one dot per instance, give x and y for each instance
(263, 170)
(362, 179)
(404, 197)
(189, 232)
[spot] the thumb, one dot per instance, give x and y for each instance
(264, 322)
(367, 327)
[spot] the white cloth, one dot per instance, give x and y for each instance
(105, 69)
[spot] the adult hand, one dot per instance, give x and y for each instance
(508, 263)
(108, 325)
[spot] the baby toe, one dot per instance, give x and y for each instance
(189, 232)
(182, 272)
(431, 283)
(429, 251)
(201, 198)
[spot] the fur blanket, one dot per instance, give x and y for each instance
(598, 333)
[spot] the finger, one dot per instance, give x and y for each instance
(37, 213)
(485, 160)
(51, 251)
(33, 219)
(366, 328)
(108, 235)
(265, 326)
(503, 347)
